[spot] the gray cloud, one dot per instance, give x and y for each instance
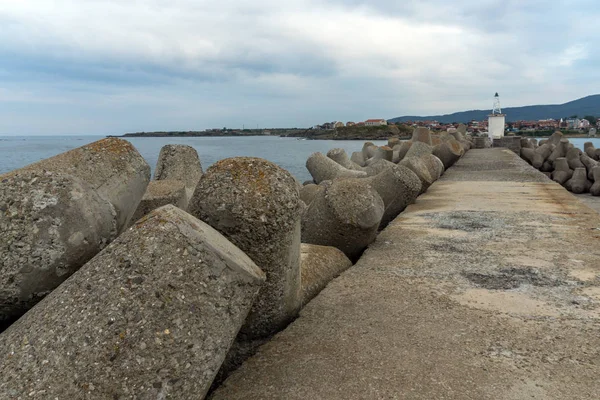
(73, 66)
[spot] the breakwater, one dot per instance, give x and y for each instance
(122, 286)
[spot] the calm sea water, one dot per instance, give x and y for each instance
(289, 153)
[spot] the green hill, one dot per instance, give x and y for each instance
(589, 105)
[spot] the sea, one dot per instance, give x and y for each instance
(288, 153)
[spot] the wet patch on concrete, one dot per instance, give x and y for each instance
(512, 278)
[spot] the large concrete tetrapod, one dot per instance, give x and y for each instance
(323, 168)
(541, 154)
(573, 158)
(181, 163)
(150, 317)
(422, 135)
(58, 213)
(345, 215)
(339, 156)
(161, 193)
(320, 264)
(562, 173)
(579, 183)
(256, 205)
(595, 189)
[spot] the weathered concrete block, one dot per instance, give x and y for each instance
(562, 173)
(403, 149)
(180, 163)
(526, 143)
(378, 165)
(590, 150)
(527, 154)
(422, 135)
(323, 168)
(340, 157)
(555, 138)
(369, 150)
(161, 193)
(418, 149)
(308, 192)
(384, 153)
(541, 154)
(589, 164)
(320, 265)
(573, 158)
(421, 169)
(595, 188)
(58, 213)
(448, 152)
(559, 151)
(151, 316)
(358, 158)
(462, 128)
(398, 187)
(579, 183)
(346, 215)
(256, 205)
(393, 142)
(435, 140)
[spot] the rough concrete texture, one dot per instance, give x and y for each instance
(150, 317)
(181, 163)
(418, 149)
(320, 265)
(555, 138)
(541, 154)
(358, 158)
(559, 151)
(384, 153)
(393, 142)
(484, 289)
(526, 143)
(448, 152)
(527, 154)
(50, 225)
(421, 134)
(595, 189)
(434, 165)
(404, 147)
(590, 150)
(435, 140)
(58, 213)
(579, 182)
(340, 157)
(161, 193)
(377, 166)
(421, 169)
(112, 167)
(256, 205)
(369, 150)
(462, 128)
(323, 168)
(345, 215)
(573, 158)
(562, 173)
(308, 192)
(398, 187)
(589, 164)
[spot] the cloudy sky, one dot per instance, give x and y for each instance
(114, 66)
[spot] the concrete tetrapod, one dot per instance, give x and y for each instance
(323, 168)
(320, 265)
(527, 154)
(595, 189)
(161, 193)
(345, 215)
(358, 158)
(56, 214)
(562, 173)
(421, 169)
(369, 149)
(559, 151)
(384, 153)
(573, 158)
(181, 163)
(340, 157)
(398, 187)
(579, 183)
(378, 165)
(541, 154)
(308, 192)
(392, 142)
(255, 204)
(150, 317)
(589, 164)
(590, 150)
(556, 138)
(403, 149)
(418, 149)
(421, 134)
(448, 152)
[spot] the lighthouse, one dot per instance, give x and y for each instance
(496, 120)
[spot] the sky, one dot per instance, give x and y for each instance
(114, 66)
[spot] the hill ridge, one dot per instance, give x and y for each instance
(588, 105)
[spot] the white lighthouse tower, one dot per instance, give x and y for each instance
(496, 120)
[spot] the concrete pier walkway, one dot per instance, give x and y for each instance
(487, 288)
